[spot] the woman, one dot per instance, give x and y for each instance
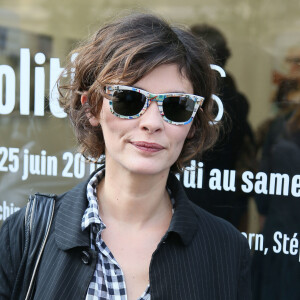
(130, 232)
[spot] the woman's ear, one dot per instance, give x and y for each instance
(92, 119)
(84, 98)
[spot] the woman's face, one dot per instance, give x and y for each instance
(148, 144)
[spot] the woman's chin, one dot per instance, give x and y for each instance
(148, 169)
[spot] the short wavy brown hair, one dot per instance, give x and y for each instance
(124, 51)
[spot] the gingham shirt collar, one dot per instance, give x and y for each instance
(91, 214)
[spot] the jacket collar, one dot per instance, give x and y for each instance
(184, 220)
(68, 232)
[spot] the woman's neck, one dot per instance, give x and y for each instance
(133, 199)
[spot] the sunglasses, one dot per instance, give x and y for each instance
(129, 103)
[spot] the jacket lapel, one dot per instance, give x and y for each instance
(184, 220)
(68, 233)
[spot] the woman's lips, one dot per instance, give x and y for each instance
(148, 147)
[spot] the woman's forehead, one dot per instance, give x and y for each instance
(165, 78)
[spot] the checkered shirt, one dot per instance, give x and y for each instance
(108, 282)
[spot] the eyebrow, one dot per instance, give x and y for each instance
(171, 92)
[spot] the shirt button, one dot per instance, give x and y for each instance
(85, 257)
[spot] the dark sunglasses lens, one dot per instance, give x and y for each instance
(178, 109)
(128, 103)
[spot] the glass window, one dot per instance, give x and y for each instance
(252, 178)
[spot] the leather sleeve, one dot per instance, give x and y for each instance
(11, 249)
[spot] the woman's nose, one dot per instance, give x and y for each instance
(152, 121)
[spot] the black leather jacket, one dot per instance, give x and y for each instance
(200, 257)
